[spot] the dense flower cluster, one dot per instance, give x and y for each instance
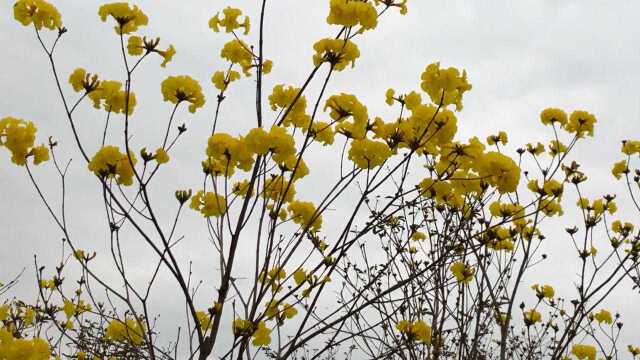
(177, 89)
(230, 21)
(446, 86)
(19, 136)
(130, 330)
(418, 330)
(37, 12)
(209, 204)
(339, 53)
(352, 13)
(109, 162)
(128, 18)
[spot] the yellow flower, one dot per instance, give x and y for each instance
(499, 170)
(130, 330)
(339, 53)
(620, 168)
(556, 147)
(161, 156)
(209, 203)
(582, 351)
(544, 291)
(112, 97)
(418, 236)
(581, 123)
(412, 100)
(552, 116)
(500, 138)
(81, 80)
(635, 351)
(352, 13)
(4, 311)
(535, 150)
(304, 213)
(110, 162)
(300, 276)
(229, 152)
(177, 89)
(135, 46)
(241, 327)
(445, 85)
(462, 272)
(418, 330)
(368, 154)
(69, 308)
(128, 19)
(39, 12)
(283, 97)
(275, 188)
(267, 66)
(389, 96)
(241, 188)
(531, 317)
(322, 132)
(261, 337)
(630, 147)
(21, 348)
(222, 81)
(40, 154)
(229, 21)
(238, 52)
(18, 136)
(204, 318)
(603, 316)
(167, 55)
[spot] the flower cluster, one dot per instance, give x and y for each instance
(209, 203)
(177, 89)
(339, 53)
(130, 330)
(128, 18)
(418, 330)
(445, 86)
(37, 12)
(289, 98)
(107, 94)
(109, 162)
(351, 13)
(230, 21)
(19, 136)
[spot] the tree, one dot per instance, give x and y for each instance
(425, 259)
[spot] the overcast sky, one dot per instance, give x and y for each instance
(521, 56)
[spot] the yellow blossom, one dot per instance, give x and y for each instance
(603, 316)
(230, 21)
(620, 168)
(40, 13)
(130, 330)
(339, 53)
(445, 85)
(128, 18)
(462, 272)
(582, 351)
(580, 123)
(238, 52)
(110, 162)
(552, 116)
(161, 156)
(304, 213)
(209, 203)
(531, 317)
(368, 154)
(176, 89)
(352, 13)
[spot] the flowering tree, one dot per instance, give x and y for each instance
(426, 259)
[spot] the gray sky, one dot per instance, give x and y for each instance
(520, 56)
